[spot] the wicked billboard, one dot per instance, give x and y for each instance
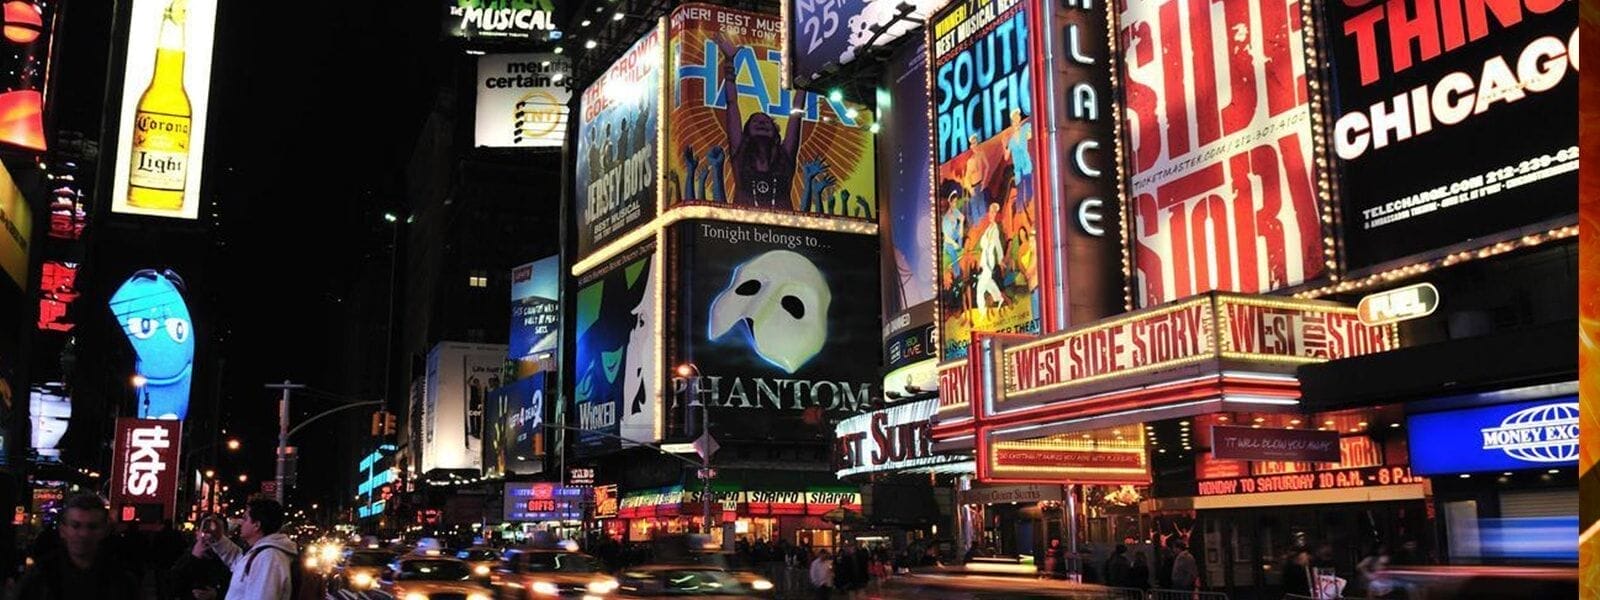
(781, 325)
(737, 135)
(984, 150)
(615, 390)
(1451, 125)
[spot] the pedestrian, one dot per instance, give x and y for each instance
(1370, 572)
(1117, 566)
(972, 552)
(1297, 574)
(1139, 573)
(199, 578)
(265, 570)
(1164, 567)
(1185, 573)
(822, 575)
(84, 567)
(1052, 556)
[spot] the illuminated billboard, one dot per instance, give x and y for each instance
(17, 220)
(144, 470)
(150, 309)
(617, 141)
(826, 34)
(984, 153)
(25, 58)
(617, 385)
(738, 136)
(905, 225)
(1541, 434)
(513, 423)
(897, 438)
(781, 324)
(58, 288)
(1459, 139)
(522, 100)
(541, 501)
(1217, 119)
(459, 377)
(500, 20)
(50, 412)
(166, 87)
(535, 308)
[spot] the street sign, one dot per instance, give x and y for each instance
(705, 446)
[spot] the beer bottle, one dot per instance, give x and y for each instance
(160, 156)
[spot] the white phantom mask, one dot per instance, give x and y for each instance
(783, 300)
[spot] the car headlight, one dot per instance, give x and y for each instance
(546, 588)
(761, 585)
(602, 586)
(481, 569)
(361, 580)
(477, 596)
(311, 562)
(416, 596)
(330, 553)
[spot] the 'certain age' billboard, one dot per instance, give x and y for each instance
(150, 309)
(984, 150)
(782, 325)
(617, 378)
(738, 136)
(617, 140)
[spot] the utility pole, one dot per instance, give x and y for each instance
(283, 431)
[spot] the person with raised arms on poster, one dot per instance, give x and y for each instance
(763, 162)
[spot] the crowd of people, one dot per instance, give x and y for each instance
(80, 558)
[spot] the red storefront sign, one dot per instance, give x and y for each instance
(144, 479)
(1248, 443)
(1304, 482)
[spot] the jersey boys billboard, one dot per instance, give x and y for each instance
(616, 385)
(782, 325)
(616, 170)
(1220, 171)
(984, 154)
(1451, 123)
(739, 136)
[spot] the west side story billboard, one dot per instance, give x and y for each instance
(459, 377)
(1217, 117)
(617, 139)
(1457, 132)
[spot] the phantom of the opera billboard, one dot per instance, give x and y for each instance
(617, 375)
(1451, 126)
(984, 154)
(739, 137)
(617, 140)
(1218, 123)
(781, 325)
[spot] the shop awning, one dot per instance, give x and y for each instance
(1516, 358)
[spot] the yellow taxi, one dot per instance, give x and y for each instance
(482, 559)
(361, 569)
(535, 573)
(431, 578)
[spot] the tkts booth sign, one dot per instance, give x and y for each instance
(144, 478)
(1214, 352)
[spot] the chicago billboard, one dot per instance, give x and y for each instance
(739, 136)
(1219, 149)
(459, 377)
(778, 322)
(984, 151)
(522, 100)
(1451, 125)
(166, 87)
(617, 376)
(617, 140)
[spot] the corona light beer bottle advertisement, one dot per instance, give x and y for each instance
(161, 132)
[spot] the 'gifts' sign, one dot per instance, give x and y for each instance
(145, 468)
(1297, 445)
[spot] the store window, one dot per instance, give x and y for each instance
(819, 539)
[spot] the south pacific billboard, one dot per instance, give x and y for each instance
(905, 226)
(1217, 117)
(739, 136)
(985, 190)
(780, 325)
(1461, 138)
(617, 375)
(617, 144)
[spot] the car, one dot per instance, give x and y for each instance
(988, 579)
(361, 569)
(526, 573)
(699, 580)
(431, 578)
(482, 559)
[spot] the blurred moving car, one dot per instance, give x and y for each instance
(431, 578)
(671, 581)
(987, 581)
(526, 573)
(482, 559)
(1488, 581)
(361, 569)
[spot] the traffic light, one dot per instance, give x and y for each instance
(388, 424)
(377, 423)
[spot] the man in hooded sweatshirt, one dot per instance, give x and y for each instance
(264, 570)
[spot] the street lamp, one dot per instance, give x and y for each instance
(233, 444)
(244, 477)
(691, 372)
